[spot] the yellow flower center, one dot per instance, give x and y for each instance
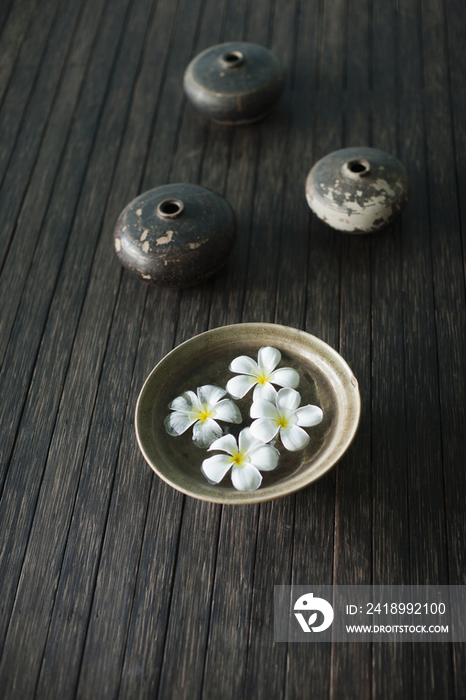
(204, 413)
(238, 458)
(263, 378)
(282, 422)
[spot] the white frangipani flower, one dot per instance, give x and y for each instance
(283, 415)
(246, 459)
(200, 411)
(261, 374)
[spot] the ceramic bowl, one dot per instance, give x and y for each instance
(325, 380)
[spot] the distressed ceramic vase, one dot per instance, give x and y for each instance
(358, 190)
(234, 83)
(175, 235)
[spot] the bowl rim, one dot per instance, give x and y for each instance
(295, 483)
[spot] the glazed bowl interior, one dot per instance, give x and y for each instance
(325, 380)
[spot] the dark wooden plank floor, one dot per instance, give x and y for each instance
(113, 585)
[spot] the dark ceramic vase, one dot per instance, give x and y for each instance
(234, 83)
(358, 190)
(175, 235)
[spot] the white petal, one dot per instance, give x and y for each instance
(309, 415)
(264, 429)
(177, 423)
(228, 411)
(244, 365)
(214, 468)
(204, 433)
(294, 438)
(246, 478)
(263, 409)
(227, 443)
(185, 402)
(268, 358)
(210, 394)
(247, 442)
(288, 398)
(264, 391)
(265, 458)
(240, 385)
(286, 376)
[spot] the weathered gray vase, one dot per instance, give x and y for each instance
(175, 235)
(234, 83)
(358, 190)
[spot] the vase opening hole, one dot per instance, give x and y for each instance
(232, 59)
(357, 166)
(170, 208)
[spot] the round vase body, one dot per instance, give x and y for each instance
(358, 190)
(234, 83)
(175, 235)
